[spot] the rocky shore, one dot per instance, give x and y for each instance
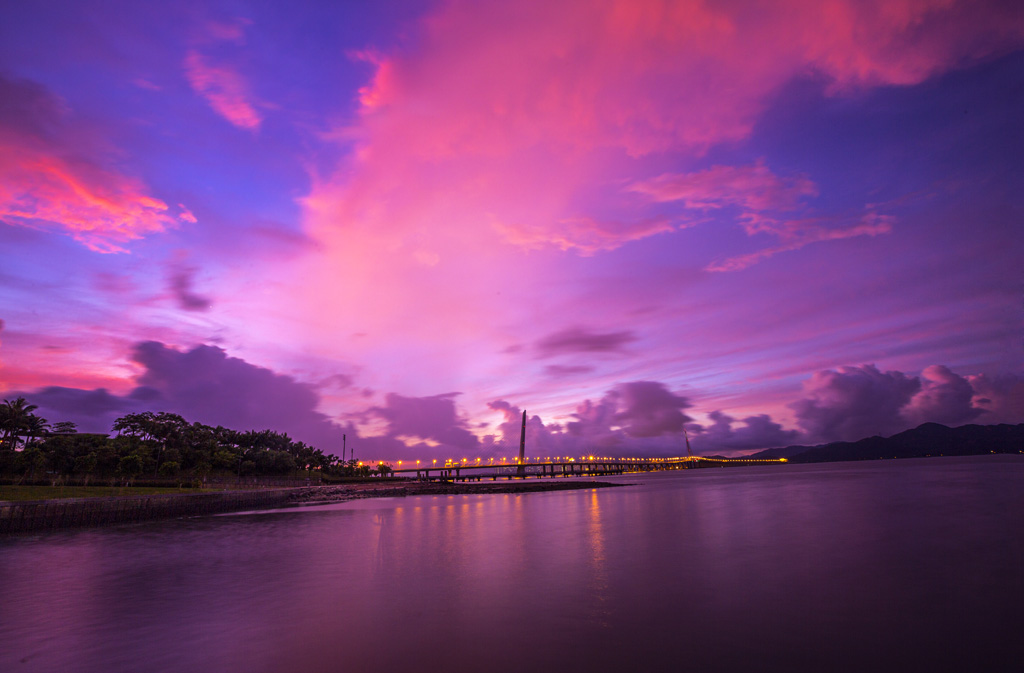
(341, 493)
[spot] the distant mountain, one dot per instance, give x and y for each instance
(930, 439)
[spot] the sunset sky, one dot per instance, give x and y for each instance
(780, 222)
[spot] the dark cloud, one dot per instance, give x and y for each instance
(581, 340)
(181, 281)
(757, 432)
(90, 410)
(434, 418)
(204, 385)
(853, 403)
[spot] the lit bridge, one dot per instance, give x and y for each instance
(587, 466)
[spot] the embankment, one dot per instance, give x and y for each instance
(40, 515)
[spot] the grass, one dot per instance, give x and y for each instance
(51, 492)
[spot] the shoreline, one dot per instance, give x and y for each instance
(32, 516)
(321, 495)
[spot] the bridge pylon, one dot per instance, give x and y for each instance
(521, 472)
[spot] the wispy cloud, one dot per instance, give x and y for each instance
(225, 90)
(795, 234)
(582, 340)
(181, 282)
(219, 81)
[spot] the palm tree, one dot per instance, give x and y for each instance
(35, 426)
(14, 417)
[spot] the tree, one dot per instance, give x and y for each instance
(64, 428)
(130, 467)
(170, 468)
(135, 425)
(14, 418)
(34, 426)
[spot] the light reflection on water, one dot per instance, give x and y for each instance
(889, 565)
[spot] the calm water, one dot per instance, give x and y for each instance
(891, 565)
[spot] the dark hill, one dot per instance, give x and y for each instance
(929, 439)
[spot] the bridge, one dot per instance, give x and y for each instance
(584, 466)
(587, 466)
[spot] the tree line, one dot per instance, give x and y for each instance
(160, 446)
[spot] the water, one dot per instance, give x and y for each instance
(889, 565)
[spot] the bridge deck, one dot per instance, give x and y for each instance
(477, 471)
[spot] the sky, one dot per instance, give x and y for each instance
(407, 221)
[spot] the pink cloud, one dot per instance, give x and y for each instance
(499, 144)
(752, 188)
(495, 122)
(583, 234)
(761, 197)
(186, 215)
(650, 76)
(50, 177)
(224, 89)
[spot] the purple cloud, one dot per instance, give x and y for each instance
(853, 403)
(90, 410)
(581, 340)
(181, 280)
(434, 418)
(649, 409)
(567, 370)
(757, 432)
(1001, 396)
(204, 385)
(945, 397)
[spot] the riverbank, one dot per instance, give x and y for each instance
(55, 514)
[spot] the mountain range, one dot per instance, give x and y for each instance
(929, 439)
